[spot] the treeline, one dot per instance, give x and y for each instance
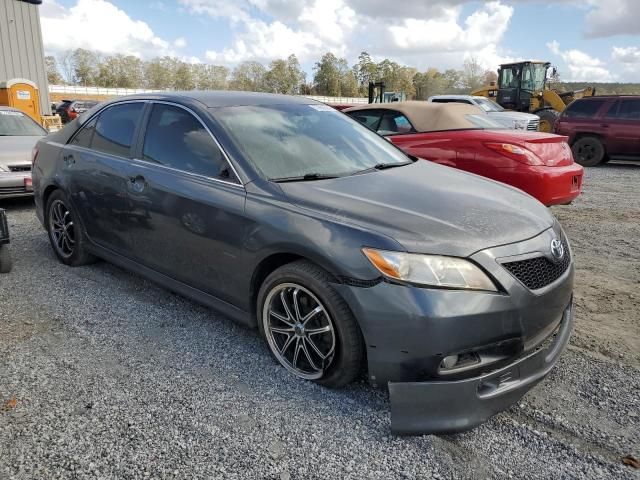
(332, 76)
(603, 88)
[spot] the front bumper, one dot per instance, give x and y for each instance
(454, 406)
(15, 184)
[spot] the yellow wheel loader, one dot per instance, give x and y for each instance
(523, 87)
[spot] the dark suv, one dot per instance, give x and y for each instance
(600, 128)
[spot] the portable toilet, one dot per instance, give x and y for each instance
(22, 94)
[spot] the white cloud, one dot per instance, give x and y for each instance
(581, 66)
(180, 42)
(613, 17)
(100, 26)
(322, 25)
(268, 29)
(630, 55)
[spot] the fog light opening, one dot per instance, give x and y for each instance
(460, 361)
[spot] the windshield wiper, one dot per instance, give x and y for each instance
(383, 166)
(304, 178)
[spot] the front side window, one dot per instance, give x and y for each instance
(509, 77)
(115, 128)
(176, 139)
(294, 140)
(533, 77)
(369, 118)
(17, 124)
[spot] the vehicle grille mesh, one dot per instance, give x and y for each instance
(533, 125)
(538, 272)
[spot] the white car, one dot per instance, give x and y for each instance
(508, 118)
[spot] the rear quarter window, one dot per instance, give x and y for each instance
(583, 109)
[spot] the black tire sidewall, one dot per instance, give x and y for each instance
(600, 151)
(340, 316)
(79, 256)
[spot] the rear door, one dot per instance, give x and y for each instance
(95, 167)
(623, 124)
(584, 117)
(188, 204)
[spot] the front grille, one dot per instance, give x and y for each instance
(19, 168)
(533, 125)
(538, 272)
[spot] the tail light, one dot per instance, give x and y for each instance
(520, 154)
(34, 156)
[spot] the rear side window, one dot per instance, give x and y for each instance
(395, 123)
(583, 109)
(629, 109)
(115, 128)
(175, 138)
(85, 135)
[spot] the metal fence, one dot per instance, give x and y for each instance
(116, 92)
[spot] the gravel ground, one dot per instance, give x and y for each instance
(105, 375)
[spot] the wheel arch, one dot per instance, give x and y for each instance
(270, 264)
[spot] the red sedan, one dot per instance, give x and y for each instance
(463, 136)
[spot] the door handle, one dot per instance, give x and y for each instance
(68, 159)
(604, 125)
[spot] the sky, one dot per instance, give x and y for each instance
(588, 40)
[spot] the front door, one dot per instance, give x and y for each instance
(186, 207)
(96, 161)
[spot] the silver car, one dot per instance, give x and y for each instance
(507, 118)
(18, 136)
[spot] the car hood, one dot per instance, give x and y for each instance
(510, 117)
(16, 150)
(427, 208)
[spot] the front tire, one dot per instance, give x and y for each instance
(65, 233)
(308, 326)
(548, 120)
(588, 151)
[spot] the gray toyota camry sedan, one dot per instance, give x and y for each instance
(451, 291)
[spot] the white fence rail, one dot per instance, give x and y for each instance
(117, 92)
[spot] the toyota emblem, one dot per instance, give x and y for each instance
(557, 249)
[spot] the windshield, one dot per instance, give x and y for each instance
(17, 124)
(294, 140)
(533, 76)
(488, 106)
(484, 122)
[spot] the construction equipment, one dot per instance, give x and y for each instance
(524, 87)
(377, 94)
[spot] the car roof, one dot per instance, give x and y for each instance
(427, 116)
(462, 97)
(605, 97)
(224, 98)
(5, 107)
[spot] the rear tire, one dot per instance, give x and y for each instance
(336, 332)
(588, 151)
(5, 259)
(548, 120)
(65, 232)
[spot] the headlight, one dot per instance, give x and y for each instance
(429, 270)
(520, 124)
